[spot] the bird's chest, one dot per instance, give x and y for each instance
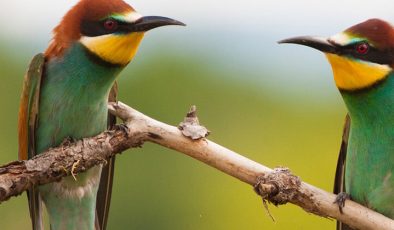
(370, 167)
(75, 114)
(67, 111)
(369, 176)
(73, 99)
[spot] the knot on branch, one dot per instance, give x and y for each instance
(278, 187)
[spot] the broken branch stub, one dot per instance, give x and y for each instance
(190, 126)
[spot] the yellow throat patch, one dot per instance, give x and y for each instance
(355, 74)
(117, 49)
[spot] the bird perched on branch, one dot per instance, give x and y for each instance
(65, 95)
(362, 60)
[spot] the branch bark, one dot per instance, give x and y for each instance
(277, 186)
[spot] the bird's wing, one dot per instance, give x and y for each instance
(105, 188)
(27, 124)
(339, 184)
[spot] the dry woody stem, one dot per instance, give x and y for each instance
(277, 186)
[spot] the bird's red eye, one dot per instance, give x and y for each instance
(110, 24)
(362, 48)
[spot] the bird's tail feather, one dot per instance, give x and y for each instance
(35, 208)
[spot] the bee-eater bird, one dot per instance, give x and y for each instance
(65, 95)
(362, 60)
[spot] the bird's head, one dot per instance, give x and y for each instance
(109, 29)
(361, 56)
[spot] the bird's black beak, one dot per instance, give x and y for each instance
(322, 44)
(150, 22)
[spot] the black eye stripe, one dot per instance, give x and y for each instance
(97, 28)
(374, 55)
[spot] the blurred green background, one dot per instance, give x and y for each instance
(275, 104)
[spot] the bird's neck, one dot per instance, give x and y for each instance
(372, 108)
(80, 68)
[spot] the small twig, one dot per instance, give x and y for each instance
(73, 167)
(267, 210)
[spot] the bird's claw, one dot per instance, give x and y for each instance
(69, 140)
(122, 127)
(340, 200)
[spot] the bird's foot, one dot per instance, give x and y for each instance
(68, 140)
(341, 199)
(123, 127)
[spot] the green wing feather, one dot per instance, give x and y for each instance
(105, 188)
(27, 124)
(339, 184)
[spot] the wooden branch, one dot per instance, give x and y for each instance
(278, 186)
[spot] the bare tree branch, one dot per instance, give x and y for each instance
(278, 186)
